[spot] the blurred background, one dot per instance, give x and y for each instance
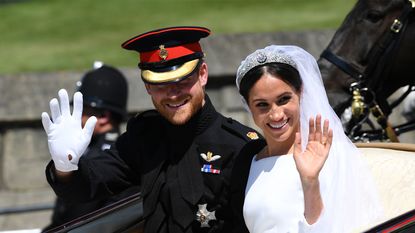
(56, 35)
(46, 45)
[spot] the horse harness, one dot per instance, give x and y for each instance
(370, 80)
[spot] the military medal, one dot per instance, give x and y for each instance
(204, 216)
(208, 169)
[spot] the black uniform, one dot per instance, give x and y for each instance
(65, 211)
(184, 171)
(239, 179)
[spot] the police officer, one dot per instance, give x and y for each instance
(105, 92)
(181, 153)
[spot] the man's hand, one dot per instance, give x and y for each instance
(67, 140)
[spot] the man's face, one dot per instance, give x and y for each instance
(178, 102)
(87, 112)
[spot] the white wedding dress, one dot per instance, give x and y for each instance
(274, 200)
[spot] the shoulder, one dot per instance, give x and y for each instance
(144, 120)
(239, 130)
(252, 148)
(144, 127)
(147, 115)
(243, 162)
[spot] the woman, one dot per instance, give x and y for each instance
(308, 177)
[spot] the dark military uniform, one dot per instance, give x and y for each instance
(63, 211)
(184, 171)
(239, 180)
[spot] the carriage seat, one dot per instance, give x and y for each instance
(393, 168)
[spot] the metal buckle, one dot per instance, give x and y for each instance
(396, 26)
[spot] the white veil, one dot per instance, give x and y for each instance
(349, 195)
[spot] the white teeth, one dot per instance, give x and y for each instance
(278, 125)
(176, 105)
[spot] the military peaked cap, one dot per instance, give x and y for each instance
(168, 55)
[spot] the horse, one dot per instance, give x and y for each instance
(370, 56)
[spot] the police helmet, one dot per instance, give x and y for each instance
(105, 88)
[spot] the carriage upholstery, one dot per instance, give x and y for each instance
(393, 168)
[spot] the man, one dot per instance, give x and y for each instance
(105, 92)
(181, 153)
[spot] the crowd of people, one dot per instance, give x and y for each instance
(200, 171)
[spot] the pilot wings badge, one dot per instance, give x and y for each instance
(209, 157)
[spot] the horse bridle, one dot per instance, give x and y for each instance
(366, 80)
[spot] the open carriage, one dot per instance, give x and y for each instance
(392, 165)
(368, 59)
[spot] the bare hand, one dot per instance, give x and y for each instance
(310, 161)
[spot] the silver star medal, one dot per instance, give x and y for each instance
(204, 216)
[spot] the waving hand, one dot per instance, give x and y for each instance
(310, 161)
(67, 140)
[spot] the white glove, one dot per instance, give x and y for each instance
(67, 140)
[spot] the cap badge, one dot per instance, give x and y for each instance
(209, 157)
(204, 216)
(252, 135)
(163, 52)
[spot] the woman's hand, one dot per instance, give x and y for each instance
(310, 161)
(309, 164)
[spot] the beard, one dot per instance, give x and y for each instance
(191, 104)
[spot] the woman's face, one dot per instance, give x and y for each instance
(275, 108)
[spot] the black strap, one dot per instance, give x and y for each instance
(342, 64)
(385, 50)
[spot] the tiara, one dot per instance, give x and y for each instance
(262, 57)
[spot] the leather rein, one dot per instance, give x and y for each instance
(370, 80)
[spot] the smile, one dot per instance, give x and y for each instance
(177, 105)
(278, 125)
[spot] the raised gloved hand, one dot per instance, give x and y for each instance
(67, 140)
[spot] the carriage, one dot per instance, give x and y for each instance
(369, 58)
(390, 163)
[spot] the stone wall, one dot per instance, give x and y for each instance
(23, 144)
